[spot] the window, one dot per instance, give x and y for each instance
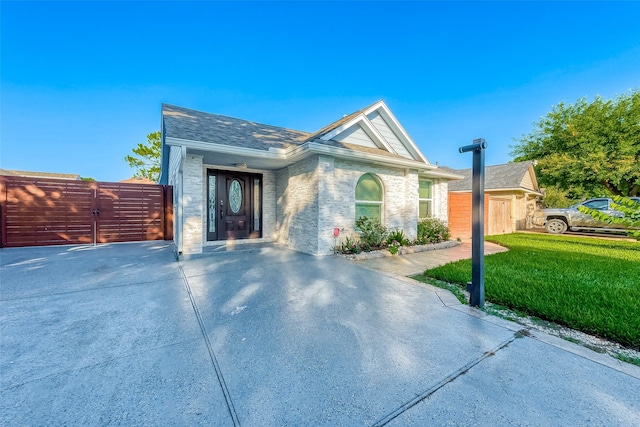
(425, 197)
(599, 205)
(369, 197)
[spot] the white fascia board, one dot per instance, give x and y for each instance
(226, 149)
(498, 190)
(360, 156)
(367, 126)
(375, 134)
(183, 155)
(395, 126)
(435, 173)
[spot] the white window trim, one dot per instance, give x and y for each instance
(371, 202)
(420, 199)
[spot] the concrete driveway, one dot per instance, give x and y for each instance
(123, 334)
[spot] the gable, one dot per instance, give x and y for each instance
(529, 180)
(356, 135)
(383, 127)
(372, 127)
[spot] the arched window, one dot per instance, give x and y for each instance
(369, 197)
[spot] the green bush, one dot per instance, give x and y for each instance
(556, 198)
(399, 237)
(432, 230)
(372, 233)
(349, 246)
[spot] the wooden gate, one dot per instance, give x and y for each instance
(40, 212)
(500, 216)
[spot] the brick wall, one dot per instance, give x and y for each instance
(460, 215)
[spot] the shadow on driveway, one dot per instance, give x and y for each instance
(123, 334)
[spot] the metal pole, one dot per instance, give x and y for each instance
(477, 220)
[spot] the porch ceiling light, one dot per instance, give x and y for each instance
(241, 165)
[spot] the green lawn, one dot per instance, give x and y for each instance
(592, 285)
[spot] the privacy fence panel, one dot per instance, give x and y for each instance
(40, 212)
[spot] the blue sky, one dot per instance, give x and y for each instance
(82, 82)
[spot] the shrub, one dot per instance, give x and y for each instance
(349, 246)
(372, 233)
(399, 237)
(432, 230)
(394, 245)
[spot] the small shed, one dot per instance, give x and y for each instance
(511, 192)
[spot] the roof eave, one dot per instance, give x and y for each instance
(524, 190)
(349, 154)
(272, 153)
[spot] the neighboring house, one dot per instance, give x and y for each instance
(235, 179)
(28, 174)
(138, 180)
(511, 192)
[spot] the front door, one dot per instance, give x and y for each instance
(233, 205)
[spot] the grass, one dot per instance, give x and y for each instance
(628, 359)
(592, 285)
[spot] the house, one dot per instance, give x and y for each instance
(138, 180)
(29, 174)
(511, 192)
(238, 180)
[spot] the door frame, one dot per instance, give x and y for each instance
(255, 225)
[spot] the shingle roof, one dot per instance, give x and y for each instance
(193, 125)
(184, 123)
(495, 177)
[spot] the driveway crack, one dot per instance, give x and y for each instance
(212, 355)
(446, 380)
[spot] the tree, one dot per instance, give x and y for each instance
(556, 198)
(630, 214)
(587, 148)
(147, 157)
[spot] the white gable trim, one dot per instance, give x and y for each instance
(368, 128)
(397, 128)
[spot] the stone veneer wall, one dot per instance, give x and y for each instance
(306, 222)
(192, 204)
(440, 199)
(269, 231)
(304, 202)
(400, 196)
(297, 206)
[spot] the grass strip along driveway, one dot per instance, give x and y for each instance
(592, 285)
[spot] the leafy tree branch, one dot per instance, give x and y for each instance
(146, 158)
(587, 148)
(629, 210)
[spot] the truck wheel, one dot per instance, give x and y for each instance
(556, 226)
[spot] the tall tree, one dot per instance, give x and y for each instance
(588, 148)
(146, 159)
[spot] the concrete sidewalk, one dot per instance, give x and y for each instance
(122, 334)
(417, 263)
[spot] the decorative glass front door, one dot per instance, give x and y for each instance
(233, 205)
